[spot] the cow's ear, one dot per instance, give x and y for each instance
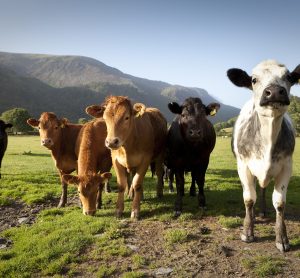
(63, 122)
(212, 109)
(295, 76)
(240, 78)
(105, 176)
(175, 108)
(95, 111)
(8, 126)
(70, 179)
(139, 109)
(33, 122)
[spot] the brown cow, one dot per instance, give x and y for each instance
(93, 157)
(60, 137)
(136, 136)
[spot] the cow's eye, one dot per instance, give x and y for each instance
(126, 118)
(289, 78)
(39, 127)
(56, 127)
(254, 80)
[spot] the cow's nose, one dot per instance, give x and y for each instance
(46, 142)
(89, 212)
(112, 143)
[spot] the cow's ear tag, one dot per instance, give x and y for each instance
(213, 112)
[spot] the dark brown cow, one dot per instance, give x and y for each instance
(3, 140)
(60, 137)
(93, 157)
(136, 136)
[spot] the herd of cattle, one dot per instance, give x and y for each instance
(131, 137)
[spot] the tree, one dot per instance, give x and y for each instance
(17, 117)
(82, 121)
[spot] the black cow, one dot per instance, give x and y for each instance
(191, 139)
(3, 140)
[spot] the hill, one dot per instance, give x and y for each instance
(67, 84)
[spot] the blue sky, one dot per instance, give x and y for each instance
(191, 43)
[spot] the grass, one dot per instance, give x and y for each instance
(264, 266)
(62, 240)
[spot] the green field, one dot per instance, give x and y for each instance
(64, 242)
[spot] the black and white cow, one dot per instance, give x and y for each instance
(264, 140)
(3, 140)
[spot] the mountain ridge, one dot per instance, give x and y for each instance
(63, 76)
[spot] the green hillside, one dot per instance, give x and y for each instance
(67, 84)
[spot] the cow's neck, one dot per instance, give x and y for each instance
(270, 128)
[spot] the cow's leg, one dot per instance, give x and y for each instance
(262, 202)
(249, 195)
(122, 185)
(279, 201)
(199, 175)
(137, 186)
(107, 187)
(170, 173)
(1, 157)
(64, 191)
(159, 170)
(179, 176)
(193, 186)
(99, 196)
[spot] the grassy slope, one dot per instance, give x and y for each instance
(58, 242)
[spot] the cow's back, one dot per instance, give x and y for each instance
(159, 127)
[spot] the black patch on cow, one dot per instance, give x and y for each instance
(285, 142)
(249, 138)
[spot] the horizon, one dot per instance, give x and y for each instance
(190, 44)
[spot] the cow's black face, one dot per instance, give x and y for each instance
(192, 117)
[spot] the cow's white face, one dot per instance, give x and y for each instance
(271, 83)
(271, 88)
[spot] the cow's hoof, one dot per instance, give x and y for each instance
(247, 239)
(160, 195)
(135, 215)
(99, 206)
(283, 247)
(171, 190)
(119, 214)
(177, 213)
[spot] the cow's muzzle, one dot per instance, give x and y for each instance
(89, 212)
(47, 142)
(274, 94)
(113, 143)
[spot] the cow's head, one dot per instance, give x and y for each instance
(88, 188)
(270, 82)
(3, 127)
(50, 128)
(192, 117)
(118, 113)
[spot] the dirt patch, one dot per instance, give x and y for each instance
(209, 250)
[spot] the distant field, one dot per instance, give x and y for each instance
(63, 242)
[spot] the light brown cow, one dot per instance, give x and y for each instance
(136, 136)
(93, 157)
(60, 137)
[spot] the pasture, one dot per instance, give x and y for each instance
(39, 240)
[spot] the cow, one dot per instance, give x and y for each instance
(59, 136)
(263, 140)
(94, 164)
(191, 139)
(3, 140)
(136, 136)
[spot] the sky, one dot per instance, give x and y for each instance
(189, 42)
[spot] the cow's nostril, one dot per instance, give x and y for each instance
(268, 93)
(116, 141)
